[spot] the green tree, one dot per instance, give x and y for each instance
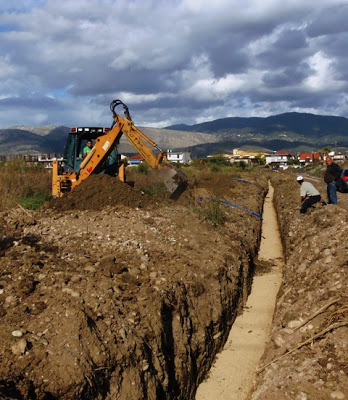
(262, 159)
(218, 160)
(326, 150)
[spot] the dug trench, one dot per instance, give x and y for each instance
(113, 294)
(307, 354)
(231, 376)
(109, 293)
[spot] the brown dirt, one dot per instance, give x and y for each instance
(315, 274)
(101, 191)
(115, 294)
(133, 299)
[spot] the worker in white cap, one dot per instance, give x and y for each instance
(309, 194)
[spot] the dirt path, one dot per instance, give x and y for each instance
(232, 375)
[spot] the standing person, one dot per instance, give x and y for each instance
(309, 194)
(87, 148)
(332, 173)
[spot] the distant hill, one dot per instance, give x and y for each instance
(41, 130)
(289, 131)
(52, 139)
(29, 140)
(171, 139)
(303, 124)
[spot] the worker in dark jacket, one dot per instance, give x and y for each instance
(332, 173)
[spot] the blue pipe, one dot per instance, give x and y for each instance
(230, 204)
(240, 180)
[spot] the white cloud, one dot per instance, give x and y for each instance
(323, 74)
(183, 60)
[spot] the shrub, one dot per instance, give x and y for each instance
(155, 189)
(215, 168)
(219, 160)
(242, 165)
(215, 215)
(143, 168)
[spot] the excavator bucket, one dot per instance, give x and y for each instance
(175, 181)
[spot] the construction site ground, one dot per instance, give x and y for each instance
(113, 293)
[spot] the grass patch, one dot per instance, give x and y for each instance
(35, 201)
(155, 189)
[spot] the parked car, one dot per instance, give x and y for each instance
(342, 182)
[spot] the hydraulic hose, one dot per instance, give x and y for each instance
(116, 103)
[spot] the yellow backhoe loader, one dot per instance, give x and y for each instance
(104, 157)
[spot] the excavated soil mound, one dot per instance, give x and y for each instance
(101, 191)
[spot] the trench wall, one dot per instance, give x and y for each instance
(314, 278)
(192, 322)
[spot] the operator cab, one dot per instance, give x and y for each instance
(77, 139)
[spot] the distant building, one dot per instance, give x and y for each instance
(43, 159)
(250, 158)
(238, 156)
(182, 157)
(47, 159)
(280, 157)
(339, 157)
(310, 157)
(135, 159)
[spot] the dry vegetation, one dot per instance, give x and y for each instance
(29, 185)
(24, 184)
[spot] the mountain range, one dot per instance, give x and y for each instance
(289, 131)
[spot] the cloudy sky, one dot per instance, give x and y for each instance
(171, 61)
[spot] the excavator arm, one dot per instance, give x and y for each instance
(175, 181)
(137, 138)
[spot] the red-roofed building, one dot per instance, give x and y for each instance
(284, 153)
(136, 159)
(307, 158)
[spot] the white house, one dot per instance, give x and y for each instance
(339, 157)
(43, 159)
(274, 158)
(280, 157)
(182, 157)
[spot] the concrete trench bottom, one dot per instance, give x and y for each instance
(232, 375)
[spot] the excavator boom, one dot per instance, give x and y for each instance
(175, 181)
